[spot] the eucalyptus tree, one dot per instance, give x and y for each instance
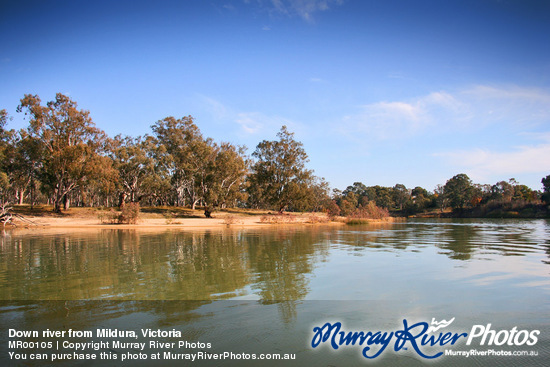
(71, 143)
(400, 195)
(279, 176)
(4, 182)
(23, 160)
(226, 175)
(186, 153)
(459, 190)
(136, 166)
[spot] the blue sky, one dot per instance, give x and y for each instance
(381, 92)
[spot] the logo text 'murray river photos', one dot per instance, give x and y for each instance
(420, 337)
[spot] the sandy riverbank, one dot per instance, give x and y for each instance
(170, 218)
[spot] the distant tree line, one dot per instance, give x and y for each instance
(459, 194)
(61, 158)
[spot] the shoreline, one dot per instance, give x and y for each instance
(220, 220)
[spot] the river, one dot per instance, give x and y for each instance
(254, 291)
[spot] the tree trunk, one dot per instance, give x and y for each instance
(57, 206)
(121, 199)
(21, 193)
(66, 202)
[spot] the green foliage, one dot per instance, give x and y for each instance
(200, 170)
(400, 195)
(184, 152)
(419, 200)
(70, 141)
(459, 190)
(137, 169)
(279, 177)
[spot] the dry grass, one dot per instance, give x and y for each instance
(279, 218)
(315, 218)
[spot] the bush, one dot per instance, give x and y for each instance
(333, 210)
(314, 218)
(129, 214)
(278, 218)
(229, 220)
(370, 211)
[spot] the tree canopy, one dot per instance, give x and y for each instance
(279, 176)
(69, 138)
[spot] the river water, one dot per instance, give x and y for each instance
(256, 291)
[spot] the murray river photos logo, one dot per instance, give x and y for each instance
(423, 338)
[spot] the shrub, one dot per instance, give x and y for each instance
(369, 211)
(169, 217)
(129, 214)
(314, 218)
(278, 218)
(230, 219)
(333, 210)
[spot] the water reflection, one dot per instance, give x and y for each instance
(459, 239)
(126, 264)
(281, 280)
(269, 265)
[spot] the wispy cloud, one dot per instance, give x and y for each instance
(472, 108)
(216, 108)
(518, 105)
(482, 164)
(317, 80)
(305, 9)
(256, 122)
(247, 122)
(399, 119)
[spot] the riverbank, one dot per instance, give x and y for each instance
(169, 217)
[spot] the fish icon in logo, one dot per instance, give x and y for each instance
(439, 325)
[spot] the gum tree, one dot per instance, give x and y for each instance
(279, 177)
(70, 141)
(459, 190)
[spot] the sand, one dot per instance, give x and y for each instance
(219, 220)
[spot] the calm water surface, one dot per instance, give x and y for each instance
(265, 289)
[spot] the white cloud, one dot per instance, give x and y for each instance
(256, 122)
(249, 122)
(384, 120)
(317, 80)
(473, 108)
(218, 109)
(482, 164)
(302, 8)
(510, 104)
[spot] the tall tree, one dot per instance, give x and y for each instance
(186, 154)
(459, 190)
(226, 176)
(400, 195)
(279, 177)
(4, 181)
(70, 140)
(23, 160)
(135, 165)
(502, 190)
